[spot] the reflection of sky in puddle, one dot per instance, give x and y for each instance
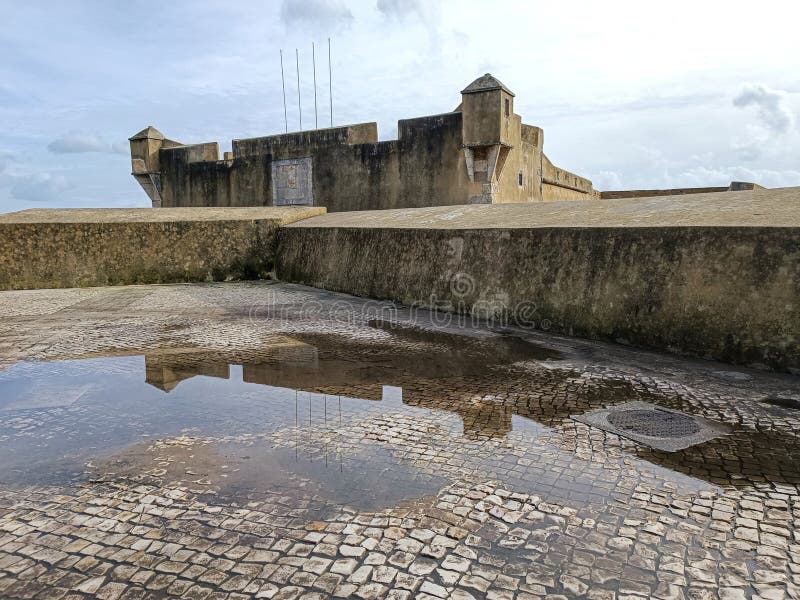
(59, 417)
(367, 479)
(56, 417)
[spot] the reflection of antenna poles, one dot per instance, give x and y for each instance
(314, 63)
(299, 107)
(330, 79)
(283, 86)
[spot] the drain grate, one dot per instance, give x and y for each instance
(654, 426)
(654, 423)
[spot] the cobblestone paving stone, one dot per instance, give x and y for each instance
(526, 502)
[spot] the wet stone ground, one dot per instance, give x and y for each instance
(271, 441)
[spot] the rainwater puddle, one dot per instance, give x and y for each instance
(390, 415)
(277, 418)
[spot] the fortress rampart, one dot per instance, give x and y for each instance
(481, 153)
(709, 275)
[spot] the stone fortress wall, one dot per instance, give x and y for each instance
(56, 248)
(713, 275)
(735, 186)
(479, 153)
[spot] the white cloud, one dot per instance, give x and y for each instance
(6, 167)
(607, 180)
(773, 113)
(318, 14)
(749, 145)
(121, 148)
(77, 143)
(399, 9)
(39, 187)
(702, 176)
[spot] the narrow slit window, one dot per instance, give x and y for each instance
(520, 178)
(508, 107)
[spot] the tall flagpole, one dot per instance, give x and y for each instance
(330, 79)
(283, 86)
(314, 62)
(299, 107)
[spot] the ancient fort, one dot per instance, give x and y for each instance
(481, 153)
(436, 367)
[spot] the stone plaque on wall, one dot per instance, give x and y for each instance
(291, 182)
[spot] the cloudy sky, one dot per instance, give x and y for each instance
(631, 94)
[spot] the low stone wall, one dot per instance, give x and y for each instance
(735, 186)
(714, 276)
(85, 247)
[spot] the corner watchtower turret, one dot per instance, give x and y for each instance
(145, 163)
(145, 168)
(487, 107)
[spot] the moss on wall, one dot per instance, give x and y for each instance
(714, 292)
(108, 252)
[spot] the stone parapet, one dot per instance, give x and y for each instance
(714, 276)
(97, 247)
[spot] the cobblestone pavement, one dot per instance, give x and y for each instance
(262, 440)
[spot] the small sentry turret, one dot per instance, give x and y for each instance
(487, 107)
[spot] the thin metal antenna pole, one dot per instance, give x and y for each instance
(283, 86)
(299, 107)
(314, 62)
(330, 79)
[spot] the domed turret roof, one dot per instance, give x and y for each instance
(148, 133)
(485, 83)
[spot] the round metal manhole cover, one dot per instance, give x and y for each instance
(654, 423)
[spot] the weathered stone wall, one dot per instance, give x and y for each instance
(612, 194)
(244, 181)
(735, 186)
(77, 248)
(726, 290)
(560, 184)
(673, 289)
(558, 193)
(351, 170)
(479, 153)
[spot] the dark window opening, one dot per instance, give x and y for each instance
(508, 107)
(520, 177)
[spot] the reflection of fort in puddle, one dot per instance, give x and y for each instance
(423, 379)
(286, 362)
(319, 386)
(479, 389)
